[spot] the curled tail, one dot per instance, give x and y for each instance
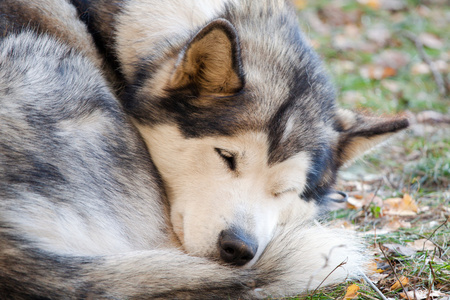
(299, 258)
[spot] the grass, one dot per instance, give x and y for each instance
(415, 92)
(418, 162)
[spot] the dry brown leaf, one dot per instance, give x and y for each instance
(353, 203)
(377, 72)
(405, 206)
(377, 277)
(374, 4)
(357, 201)
(393, 5)
(300, 4)
(417, 294)
(379, 34)
(432, 117)
(422, 245)
(392, 59)
(404, 281)
(400, 249)
(352, 292)
(341, 223)
(439, 294)
(372, 267)
(421, 294)
(395, 223)
(408, 203)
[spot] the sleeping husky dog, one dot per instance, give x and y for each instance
(244, 139)
(237, 113)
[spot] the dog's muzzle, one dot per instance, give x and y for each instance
(236, 247)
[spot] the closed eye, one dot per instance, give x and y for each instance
(228, 157)
(282, 192)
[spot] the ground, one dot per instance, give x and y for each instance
(389, 57)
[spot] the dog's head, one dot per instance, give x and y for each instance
(243, 127)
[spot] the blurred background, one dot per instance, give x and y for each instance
(389, 57)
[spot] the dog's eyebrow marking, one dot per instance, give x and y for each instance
(228, 157)
(289, 126)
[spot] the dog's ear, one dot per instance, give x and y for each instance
(210, 63)
(359, 133)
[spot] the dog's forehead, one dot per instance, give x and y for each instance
(293, 99)
(286, 94)
(296, 111)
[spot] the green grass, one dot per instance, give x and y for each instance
(416, 92)
(418, 162)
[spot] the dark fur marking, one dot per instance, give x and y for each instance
(317, 185)
(99, 17)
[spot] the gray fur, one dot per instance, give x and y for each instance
(83, 209)
(284, 80)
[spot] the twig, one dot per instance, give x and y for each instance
(442, 85)
(432, 282)
(338, 266)
(441, 249)
(373, 286)
(443, 224)
(434, 243)
(393, 270)
(327, 258)
(368, 296)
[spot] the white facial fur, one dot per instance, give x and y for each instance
(207, 197)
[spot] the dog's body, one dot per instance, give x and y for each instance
(238, 118)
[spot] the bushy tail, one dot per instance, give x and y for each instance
(299, 258)
(304, 257)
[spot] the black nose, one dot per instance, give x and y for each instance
(236, 247)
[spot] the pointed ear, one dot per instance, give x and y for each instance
(211, 62)
(359, 133)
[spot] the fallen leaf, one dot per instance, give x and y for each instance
(405, 206)
(392, 59)
(372, 267)
(424, 208)
(374, 4)
(432, 117)
(379, 34)
(408, 203)
(393, 5)
(439, 294)
(416, 294)
(420, 69)
(353, 203)
(352, 292)
(400, 249)
(377, 72)
(357, 201)
(341, 223)
(392, 86)
(300, 4)
(431, 41)
(421, 294)
(404, 281)
(442, 66)
(395, 224)
(422, 245)
(375, 278)
(336, 16)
